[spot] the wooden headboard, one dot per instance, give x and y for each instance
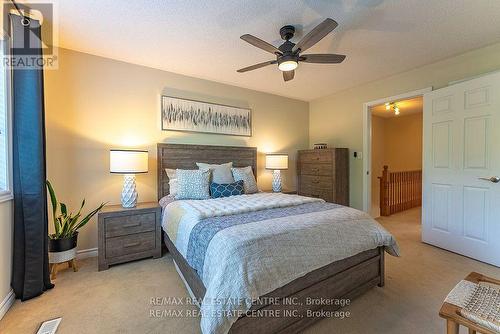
(184, 156)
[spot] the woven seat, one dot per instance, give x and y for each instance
(473, 303)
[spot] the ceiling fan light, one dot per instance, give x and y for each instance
(288, 65)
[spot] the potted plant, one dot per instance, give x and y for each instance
(62, 243)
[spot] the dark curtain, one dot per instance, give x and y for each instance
(30, 276)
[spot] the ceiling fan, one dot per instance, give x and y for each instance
(288, 54)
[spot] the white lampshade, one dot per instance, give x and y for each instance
(276, 161)
(128, 161)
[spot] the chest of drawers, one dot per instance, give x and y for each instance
(324, 173)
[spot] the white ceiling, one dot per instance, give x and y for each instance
(201, 38)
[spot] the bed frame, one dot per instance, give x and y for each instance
(344, 279)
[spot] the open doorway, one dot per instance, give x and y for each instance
(396, 156)
(393, 138)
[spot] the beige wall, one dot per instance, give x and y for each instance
(403, 142)
(337, 119)
(94, 104)
(6, 235)
(397, 143)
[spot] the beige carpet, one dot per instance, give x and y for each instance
(119, 300)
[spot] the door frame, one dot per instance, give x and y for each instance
(367, 139)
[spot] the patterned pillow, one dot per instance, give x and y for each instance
(193, 184)
(246, 175)
(228, 189)
(220, 173)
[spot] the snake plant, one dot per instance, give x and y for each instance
(66, 224)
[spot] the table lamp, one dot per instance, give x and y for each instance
(277, 162)
(128, 163)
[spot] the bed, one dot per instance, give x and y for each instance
(286, 308)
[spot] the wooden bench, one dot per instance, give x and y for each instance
(453, 315)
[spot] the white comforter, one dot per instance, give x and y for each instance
(248, 260)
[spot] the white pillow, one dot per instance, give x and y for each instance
(246, 175)
(172, 181)
(221, 174)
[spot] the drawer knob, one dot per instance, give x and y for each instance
(131, 245)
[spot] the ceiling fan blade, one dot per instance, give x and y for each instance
(315, 35)
(322, 58)
(260, 44)
(256, 66)
(288, 75)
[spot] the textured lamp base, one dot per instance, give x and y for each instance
(276, 181)
(129, 193)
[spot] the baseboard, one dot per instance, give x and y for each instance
(7, 303)
(86, 253)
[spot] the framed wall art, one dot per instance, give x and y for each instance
(195, 116)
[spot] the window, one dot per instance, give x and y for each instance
(5, 170)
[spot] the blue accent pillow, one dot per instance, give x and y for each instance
(228, 189)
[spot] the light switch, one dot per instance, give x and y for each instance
(358, 155)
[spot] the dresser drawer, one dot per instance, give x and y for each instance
(318, 193)
(317, 182)
(324, 169)
(315, 156)
(130, 244)
(124, 225)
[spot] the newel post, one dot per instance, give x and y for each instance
(384, 192)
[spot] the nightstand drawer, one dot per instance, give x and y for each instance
(124, 225)
(130, 244)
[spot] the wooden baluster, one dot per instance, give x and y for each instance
(405, 188)
(413, 189)
(398, 182)
(408, 190)
(396, 192)
(393, 192)
(403, 191)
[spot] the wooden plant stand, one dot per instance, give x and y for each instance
(53, 267)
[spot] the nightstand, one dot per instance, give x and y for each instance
(127, 234)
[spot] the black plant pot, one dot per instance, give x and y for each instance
(64, 244)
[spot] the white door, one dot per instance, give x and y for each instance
(461, 188)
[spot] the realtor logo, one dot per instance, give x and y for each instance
(29, 34)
